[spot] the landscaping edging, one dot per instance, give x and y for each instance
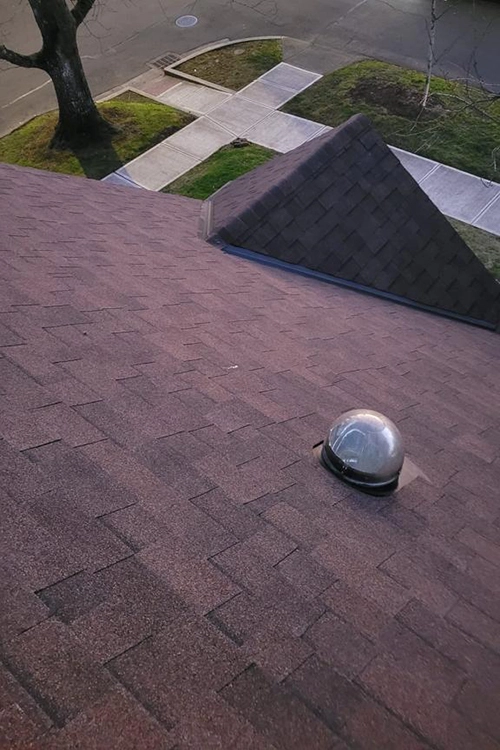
(172, 69)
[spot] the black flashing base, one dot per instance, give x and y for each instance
(303, 271)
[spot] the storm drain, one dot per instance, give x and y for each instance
(165, 60)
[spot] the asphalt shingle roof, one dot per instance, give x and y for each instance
(344, 205)
(177, 570)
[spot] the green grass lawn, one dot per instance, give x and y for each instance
(141, 121)
(485, 245)
(459, 127)
(236, 65)
(222, 167)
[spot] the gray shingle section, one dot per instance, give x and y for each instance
(343, 205)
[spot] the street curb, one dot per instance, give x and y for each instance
(172, 69)
(108, 97)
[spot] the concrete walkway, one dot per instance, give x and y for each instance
(252, 113)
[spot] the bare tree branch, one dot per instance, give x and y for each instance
(81, 10)
(24, 61)
(431, 30)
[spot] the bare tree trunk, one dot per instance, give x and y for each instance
(79, 121)
(430, 55)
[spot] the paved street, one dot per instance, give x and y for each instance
(123, 35)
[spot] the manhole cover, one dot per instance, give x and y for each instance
(185, 22)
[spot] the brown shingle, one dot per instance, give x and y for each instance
(118, 720)
(203, 586)
(447, 639)
(330, 695)
(371, 727)
(477, 624)
(214, 724)
(173, 670)
(21, 706)
(17, 731)
(428, 589)
(340, 644)
(281, 718)
(146, 572)
(418, 693)
(21, 609)
(56, 669)
(366, 616)
(304, 574)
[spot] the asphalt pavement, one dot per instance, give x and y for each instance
(122, 36)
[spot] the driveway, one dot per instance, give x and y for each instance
(123, 35)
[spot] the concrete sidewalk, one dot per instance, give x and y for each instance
(252, 113)
(457, 194)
